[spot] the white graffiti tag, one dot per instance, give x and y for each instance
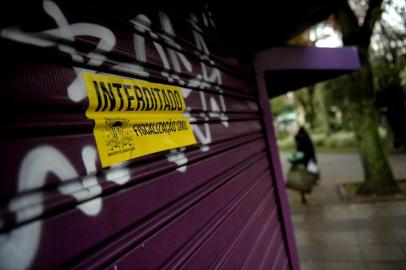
(174, 61)
(67, 32)
(18, 247)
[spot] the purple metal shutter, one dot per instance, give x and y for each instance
(210, 205)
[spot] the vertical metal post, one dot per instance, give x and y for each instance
(276, 164)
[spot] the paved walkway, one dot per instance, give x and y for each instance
(333, 235)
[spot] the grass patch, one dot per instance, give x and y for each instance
(325, 149)
(348, 192)
(337, 142)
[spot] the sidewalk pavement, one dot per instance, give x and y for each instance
(331, 234)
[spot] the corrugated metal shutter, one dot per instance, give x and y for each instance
(210, 205)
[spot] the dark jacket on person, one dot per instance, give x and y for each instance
(304, 144)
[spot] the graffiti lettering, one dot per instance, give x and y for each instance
(18, 247)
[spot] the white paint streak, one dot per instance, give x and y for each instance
(15, 34)
(178, 157)
(76, 90)
(119, 175)
(64, 30)
(18, 247)
(91, 186)
(131, 69)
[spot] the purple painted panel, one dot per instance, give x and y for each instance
(275, 254)
(221, 239)
(292, 67)
(71, 146)
(236, 256)
(145, 198)
(267, 238)
(205, 205)
(310, 58)
(208, 249)
(287, 227)
(149, 254)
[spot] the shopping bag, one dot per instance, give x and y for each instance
(312, 167)
(296, 158)
(314, 171)
(298, 178)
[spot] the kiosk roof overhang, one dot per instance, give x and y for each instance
(263, 28)
(289, 68)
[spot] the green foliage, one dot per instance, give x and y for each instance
(341, 139)
(386, 75)
(335, 92)
(318, 139)
(281, 105)
(334, 97)
(305, 99)
(287, 143)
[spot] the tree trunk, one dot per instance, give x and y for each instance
(311, 111)
(377, 172)
(323, 113)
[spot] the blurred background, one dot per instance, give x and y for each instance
(324, 108)
(357, 124)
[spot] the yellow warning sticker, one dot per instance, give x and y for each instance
(134, 118)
